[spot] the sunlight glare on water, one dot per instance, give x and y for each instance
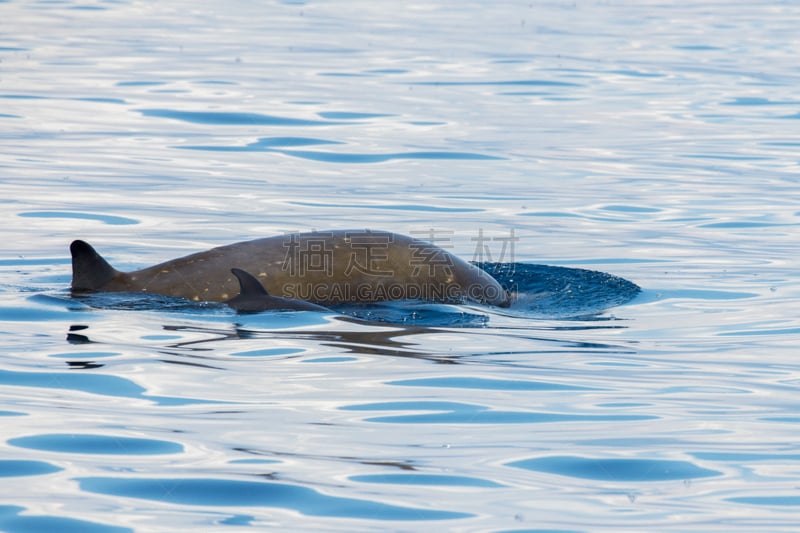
(656, 142)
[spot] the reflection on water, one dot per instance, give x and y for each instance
(395, 340)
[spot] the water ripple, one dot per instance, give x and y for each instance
(264, 144)
(463, 413)
(393, 207)
(616, 469)
(345, 115)
(512, 83)
(17, 468)
(773, 500)
(341, 157)
(211, 492)
(279, 144)
(106, 385)
(425, 480)
(96, 444)
(11, 521)
(485, 384)
(113, 220)
(220, 118)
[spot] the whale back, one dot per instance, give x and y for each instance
(330, 267)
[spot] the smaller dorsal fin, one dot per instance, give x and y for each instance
(253, 297)
(90, 272)
(248, 284)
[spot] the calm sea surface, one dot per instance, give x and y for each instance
(656, 141)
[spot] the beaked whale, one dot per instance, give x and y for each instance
(325, 267)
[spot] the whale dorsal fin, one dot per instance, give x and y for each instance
(90, 272)
(253, 297)
(248, 284)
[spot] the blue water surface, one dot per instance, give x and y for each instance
(628, 170)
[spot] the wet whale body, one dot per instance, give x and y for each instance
(323, 267)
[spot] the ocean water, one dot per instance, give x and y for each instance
(657, 142)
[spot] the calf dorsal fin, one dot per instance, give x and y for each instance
(253, 297)
(248, 284)
(90, 272)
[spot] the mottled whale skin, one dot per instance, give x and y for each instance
(325, 267)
